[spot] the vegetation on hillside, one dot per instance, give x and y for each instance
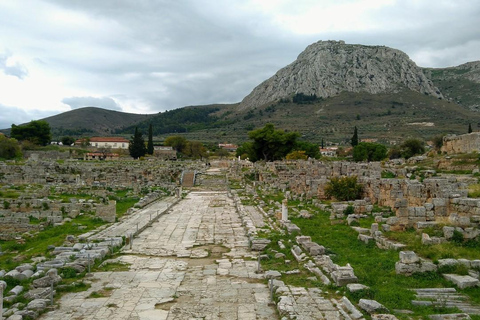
(181, 120)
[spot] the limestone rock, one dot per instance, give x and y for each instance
(37, 304)
(327, 68)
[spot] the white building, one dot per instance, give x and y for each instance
(106, 142)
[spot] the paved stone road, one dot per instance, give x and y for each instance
(193, 263)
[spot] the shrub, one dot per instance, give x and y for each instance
(344, 188)
(349, 210)
(457, 237)
(388, 174)
(412, 147)
(297, 155)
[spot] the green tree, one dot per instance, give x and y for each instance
(270, 144)
(311, 149)
(344, 188)
(68, 141)
(37, 132)
(470, 128)
(245, 150)
(412, 147)
(195, 150)
(366, 151)
(150, 140)
(355, 137)
(222, 153)
(137, 145)
(176, 142)
(9, 148)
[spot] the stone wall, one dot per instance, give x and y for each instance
(442, 200)
(465, 143)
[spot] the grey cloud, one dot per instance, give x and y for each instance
(80, 102)
(206, 54)
(16, 70)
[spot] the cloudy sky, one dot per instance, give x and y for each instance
(147, 56)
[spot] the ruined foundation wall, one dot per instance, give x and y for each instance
(465, 143)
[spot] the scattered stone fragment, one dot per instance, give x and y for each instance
(370, 306)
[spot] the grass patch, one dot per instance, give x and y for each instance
(37, 244)
(451, 249)
(373, 267)
(474, 191)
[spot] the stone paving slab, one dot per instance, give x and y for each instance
(169, 288)
(201, 219)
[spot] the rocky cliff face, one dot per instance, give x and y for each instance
(327, 68)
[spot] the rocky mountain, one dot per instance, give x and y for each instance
(327, 68)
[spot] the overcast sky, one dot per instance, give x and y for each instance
(155, 55)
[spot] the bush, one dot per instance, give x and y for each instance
(349, 210)
(69, 273)
(457, 237)
(366, 151)
(297, 155)
(388, 174)
(344, 188)
(412, 147)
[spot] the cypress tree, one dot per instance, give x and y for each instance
(470, 128)
(355, 137)
(150, 140)
(137, 145)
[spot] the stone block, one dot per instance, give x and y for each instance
(462, 282)
(447, 263)
(439, 202)
(450, 316)
(259, 244)
(428, 206)
(365, 238)
(408, 257)
(37, 304)
(448, 232)
(354, 287)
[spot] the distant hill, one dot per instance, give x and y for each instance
(92, 121)
(459, 84)
(187, 119)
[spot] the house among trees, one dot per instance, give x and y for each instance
(329, 151)
(105, 142)
(228, 146)
(165, 152)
